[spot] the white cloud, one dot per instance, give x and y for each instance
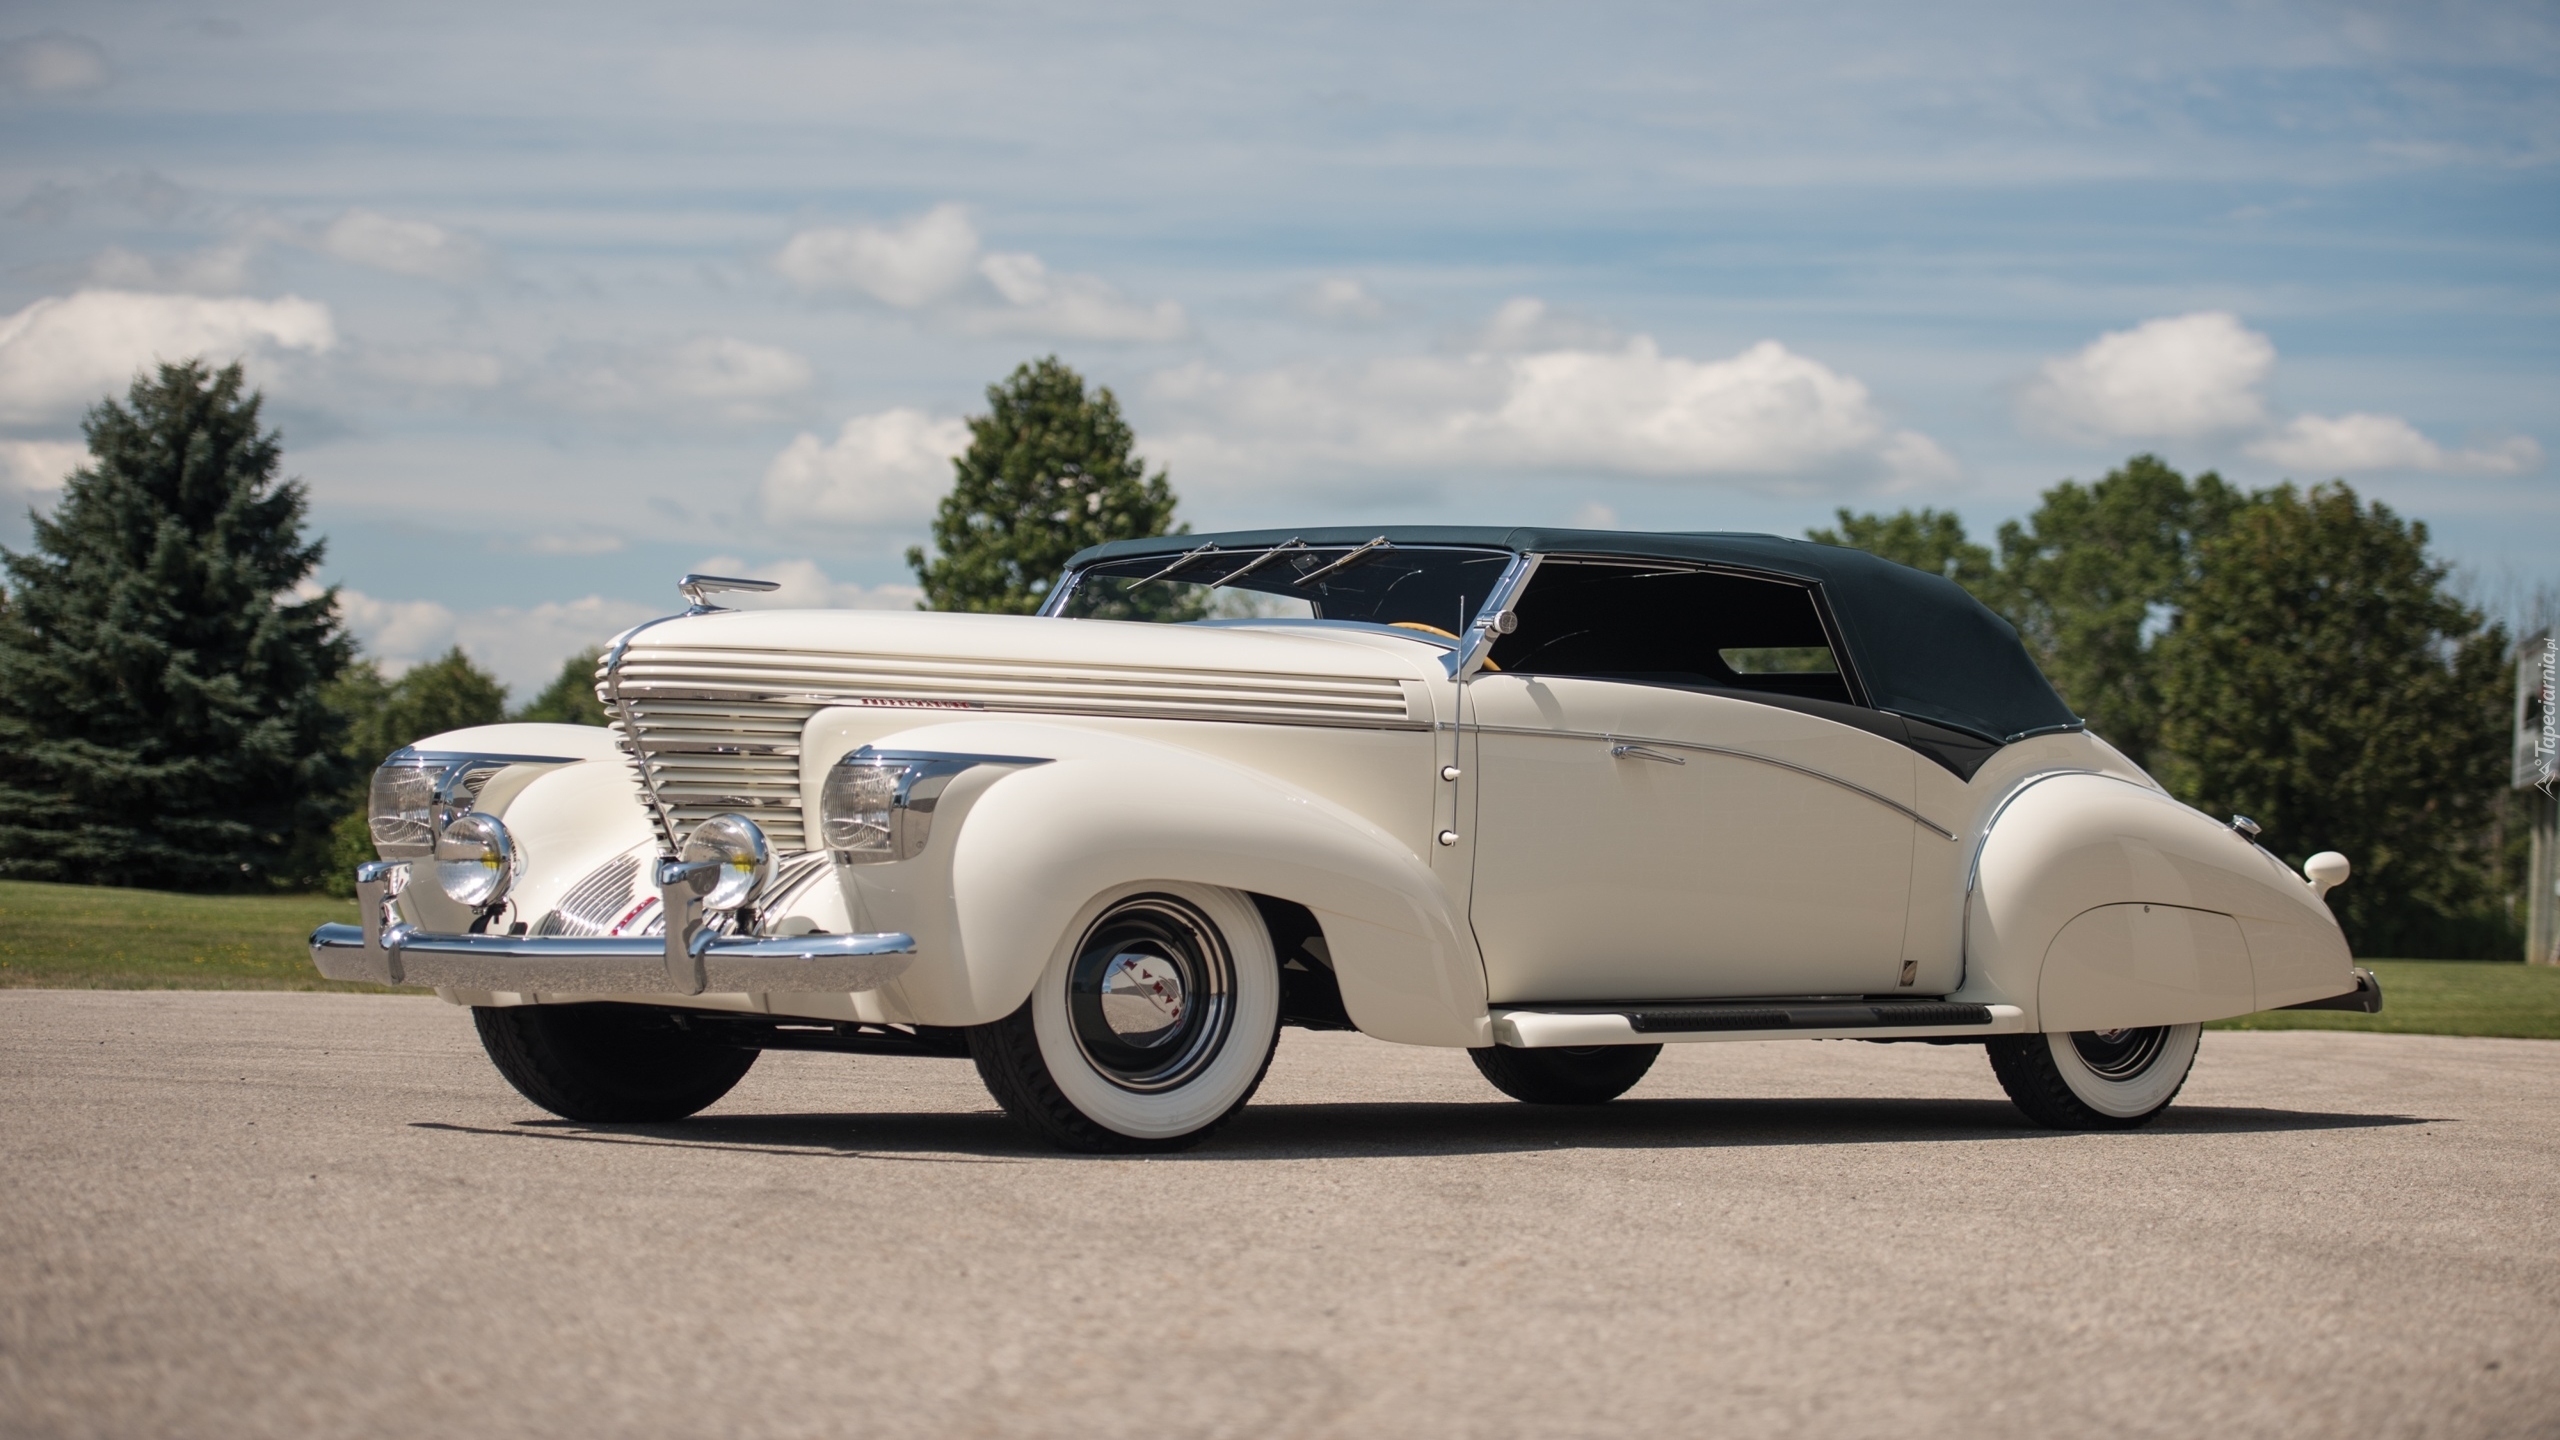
(434, 367)
(1338, 300)
(404, 247)
(64, 353)
(221, 268)
(146, 193)
(35, 469)
(1526, 323)
(2178, 377)
(1069, 307)
(725, 368)
(54, 63)
(931, 260)
(1766, 414)
(396, 634)
(805, 586)
(913, 263)
(2199, 376)
(1592, 515)
(522, 645)
(2343, 444)
(887, 469)
(740, 379)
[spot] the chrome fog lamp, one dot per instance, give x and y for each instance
(740, 857)
(475, 860)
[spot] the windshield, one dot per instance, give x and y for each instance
(1438, 588)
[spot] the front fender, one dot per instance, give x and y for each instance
(1032, 848)
(2098, 903)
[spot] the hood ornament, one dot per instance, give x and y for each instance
(694, 587)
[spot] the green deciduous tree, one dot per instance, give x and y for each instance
(446, 693)
(570, 698)
(2289, 656)
(1049, 471)
(162, 719)
(2092, 579)
(1931, 540)
(2321, 681)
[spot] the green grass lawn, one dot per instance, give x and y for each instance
(2439, 997)
(89, 937)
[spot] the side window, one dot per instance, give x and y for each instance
(1652, 624)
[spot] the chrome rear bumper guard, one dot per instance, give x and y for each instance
(688, 960)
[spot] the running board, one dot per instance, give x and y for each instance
(1544, 1027)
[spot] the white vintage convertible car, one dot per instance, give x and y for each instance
(1557, 798)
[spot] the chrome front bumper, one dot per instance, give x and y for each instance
(687, 960)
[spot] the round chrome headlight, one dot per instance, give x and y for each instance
(737, 845)
(475, 860)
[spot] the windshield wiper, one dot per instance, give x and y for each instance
(1351, 559)
(1265, 558)
(1187, 557)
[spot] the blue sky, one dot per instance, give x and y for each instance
(553, 303)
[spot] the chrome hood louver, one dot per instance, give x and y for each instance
(714, 706)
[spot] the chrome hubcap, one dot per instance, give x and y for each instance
(1142, 998)
(2120, 1054)
(1151, 995)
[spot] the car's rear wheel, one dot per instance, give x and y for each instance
(607, 1064)
(1580, 1075)
(2095, 1079)
(1152, 1024)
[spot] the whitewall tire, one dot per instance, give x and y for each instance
(2095, 1079)
(1151, 1025)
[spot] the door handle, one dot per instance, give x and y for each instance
(1643, 752)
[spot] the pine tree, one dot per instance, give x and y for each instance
(1048, 472)
(162, 719)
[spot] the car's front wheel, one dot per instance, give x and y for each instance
(605, 1063)
(2095, 1079)
(1152, 1024)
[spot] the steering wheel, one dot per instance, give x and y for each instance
(1435, 630)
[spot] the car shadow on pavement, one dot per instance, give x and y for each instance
(1703, 1124)
(1381, 1129)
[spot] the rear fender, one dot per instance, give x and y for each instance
(2098, 903)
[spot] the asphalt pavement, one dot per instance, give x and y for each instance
(259, 1214)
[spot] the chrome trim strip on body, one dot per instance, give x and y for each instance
(611, 964)
(1646, 740)
(1973, 871)
(1534, 1027)
(1973, 868)
(1189, 716)
(412, 755)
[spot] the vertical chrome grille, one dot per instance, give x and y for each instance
(593, 904)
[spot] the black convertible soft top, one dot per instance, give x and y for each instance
(1923, 647)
